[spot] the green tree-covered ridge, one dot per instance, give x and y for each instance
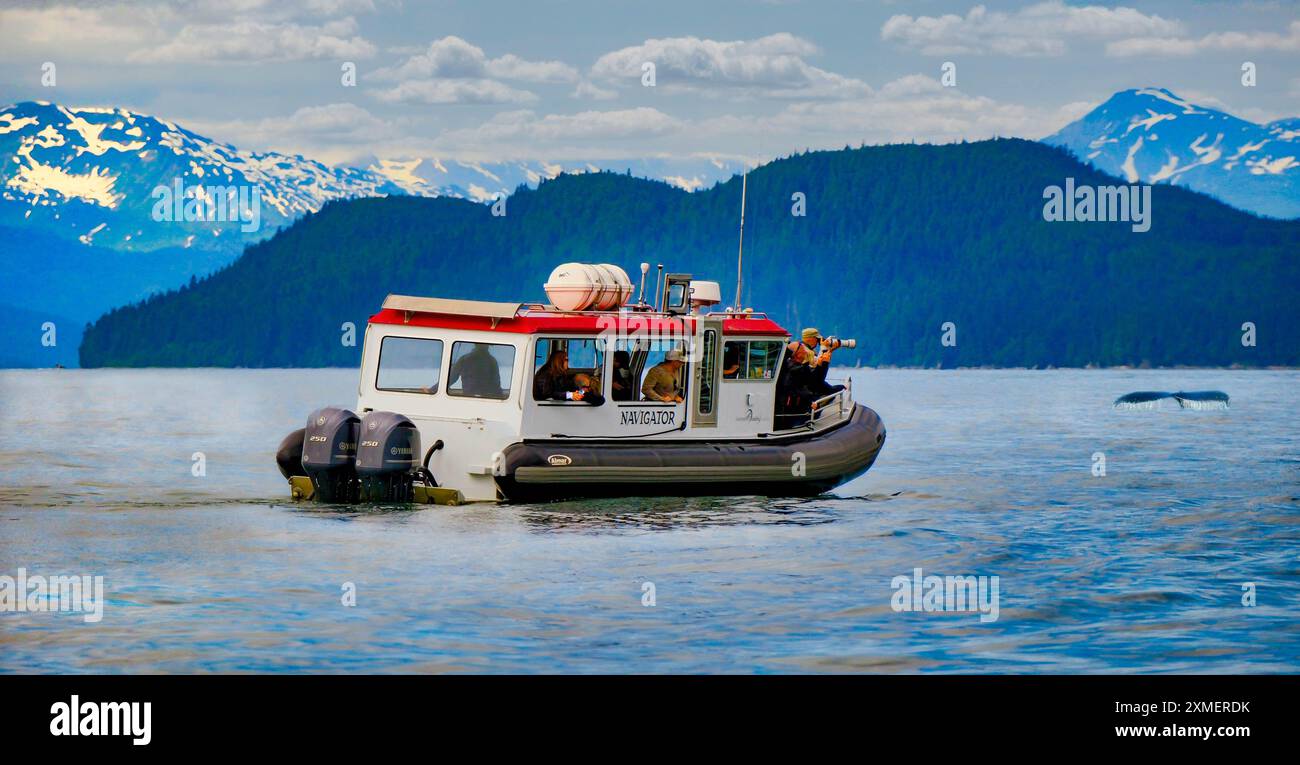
(897, 240)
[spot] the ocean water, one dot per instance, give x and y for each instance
(984, 473)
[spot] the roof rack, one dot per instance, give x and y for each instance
(494, 311)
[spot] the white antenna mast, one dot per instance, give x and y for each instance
(740, 253)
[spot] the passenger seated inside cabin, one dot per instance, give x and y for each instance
(660, 382)
(553, 381)
(586, 389)
(478, 372)
(550, 382)
(794, 397)
(622, 387)
(731, 361)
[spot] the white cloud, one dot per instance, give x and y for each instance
(524, 134)
(94, 33)
(454, 57)
(461, 91)
(913, 108)
(771, 66)
(512, 67)
(1042, 29)
(452, 70)
(252, 41)
(1248, 42)
(328, 133)
(588, 89)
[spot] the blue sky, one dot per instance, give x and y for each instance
(563, 80)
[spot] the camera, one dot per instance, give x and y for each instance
(832, 343)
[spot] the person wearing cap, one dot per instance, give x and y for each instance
(660, 382)
(820, 364)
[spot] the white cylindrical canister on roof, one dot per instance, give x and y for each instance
(609, 287)
(624, 284)
(572, 286)
(583, 286)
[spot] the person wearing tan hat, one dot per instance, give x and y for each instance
(660, 382)
(812, 337)
(820, 364)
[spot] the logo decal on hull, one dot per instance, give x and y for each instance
(559, 460)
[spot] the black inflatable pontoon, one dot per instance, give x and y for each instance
(788, 464)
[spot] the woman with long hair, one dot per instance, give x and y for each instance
(552, 379)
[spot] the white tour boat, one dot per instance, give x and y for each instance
(589, 395)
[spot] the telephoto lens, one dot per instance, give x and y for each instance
(834, 342)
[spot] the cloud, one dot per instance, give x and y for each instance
(252, 41)
(462, 91)
(1249, 42)
(453, 57)
(771, 66)
(94, 33)
(511, 67)
(912, 108)
(593, 134)
(587, 89)
(326, 132)
(454, 71)
(1042, 29)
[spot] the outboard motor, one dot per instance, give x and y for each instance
(388, 454)
(329, 452)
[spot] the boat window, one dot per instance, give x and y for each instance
(734, 355)
(563, 364)
(481, 370)
(659, 375)
(409, 365)
(750, 360)
(708, 358)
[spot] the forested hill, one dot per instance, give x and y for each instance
(896, 241)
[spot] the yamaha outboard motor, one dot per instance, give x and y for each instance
(388, 454)
(329, 452)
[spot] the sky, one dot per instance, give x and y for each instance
(496, 80)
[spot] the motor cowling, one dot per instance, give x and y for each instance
(329, 453)
(388, 455)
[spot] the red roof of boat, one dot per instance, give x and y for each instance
(541, 322)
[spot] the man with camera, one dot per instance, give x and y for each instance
(820, 363)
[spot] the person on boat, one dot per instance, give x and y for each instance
(818, 363)
(622, 388)
(660, 382)
(585, 389)
(731, 361)
(794, 396)
(553, 382)
(478, 372)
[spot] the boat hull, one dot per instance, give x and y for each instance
(780, 466)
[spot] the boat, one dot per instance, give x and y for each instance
(451, 409)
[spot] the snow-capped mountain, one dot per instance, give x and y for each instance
(94, 174)
(91, 174)
(1150, 135)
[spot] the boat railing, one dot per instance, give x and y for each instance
(833, 407)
